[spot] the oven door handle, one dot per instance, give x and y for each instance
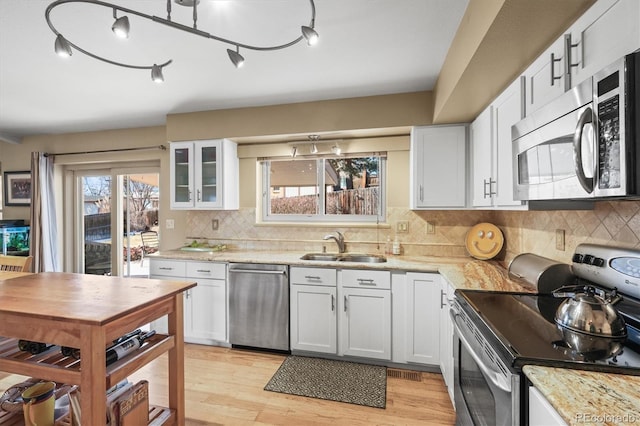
(494, 377)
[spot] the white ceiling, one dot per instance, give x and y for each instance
(367, 47)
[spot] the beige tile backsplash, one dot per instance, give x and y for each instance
(610, 222)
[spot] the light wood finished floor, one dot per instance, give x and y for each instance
(225, 387)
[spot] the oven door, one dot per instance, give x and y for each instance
(484, 393)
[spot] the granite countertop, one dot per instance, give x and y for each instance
(588, 397)
(461, 272)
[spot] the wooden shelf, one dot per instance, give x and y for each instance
(52, 365)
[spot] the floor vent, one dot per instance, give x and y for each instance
(404, 375)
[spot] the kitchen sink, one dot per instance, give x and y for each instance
(345, 257)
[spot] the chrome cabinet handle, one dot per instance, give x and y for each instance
(345, 303)
(190, 195)
(311, 277)
(553, 62)
(165, 268)
(203, 271)
(488, 183)
(333, 303)
(366, 281)
(421, 193)
(198, 192)
(442, 299)
(568, 63)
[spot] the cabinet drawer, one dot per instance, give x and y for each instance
(313, 276)
(167, 268)
(366, 279)
(206, 270)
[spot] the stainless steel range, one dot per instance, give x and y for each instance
(594, 324)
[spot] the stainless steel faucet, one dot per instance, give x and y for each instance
(339, 239)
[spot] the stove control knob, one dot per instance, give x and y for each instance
(597, 261)
(577, 258)
(588, 259)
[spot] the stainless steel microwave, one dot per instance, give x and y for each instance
(585, 143)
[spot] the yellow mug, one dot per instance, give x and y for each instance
(39, 404)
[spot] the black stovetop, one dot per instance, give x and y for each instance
(524, 324)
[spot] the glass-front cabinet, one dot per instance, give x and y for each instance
(204, 175)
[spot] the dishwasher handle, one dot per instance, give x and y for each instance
(258, 271)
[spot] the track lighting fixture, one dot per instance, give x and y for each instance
(236, 58)
(336, 150)
(156, 74)
(294, 151)
(62, 47)
(121, 26)
(310, 35)
(314, 148)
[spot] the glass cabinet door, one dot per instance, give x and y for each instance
(182, 194)
(208, 169)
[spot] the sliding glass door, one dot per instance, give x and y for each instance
(117, 220)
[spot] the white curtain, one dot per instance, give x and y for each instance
(44, 235)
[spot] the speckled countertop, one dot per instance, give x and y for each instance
(588, 397)
(461, 272)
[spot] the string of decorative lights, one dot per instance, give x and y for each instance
(121, 26)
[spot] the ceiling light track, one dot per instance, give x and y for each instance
(121, 26)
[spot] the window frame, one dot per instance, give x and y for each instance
(322, 217)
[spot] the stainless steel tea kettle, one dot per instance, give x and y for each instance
(590, 310)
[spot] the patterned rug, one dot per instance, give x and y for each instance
(332, 380)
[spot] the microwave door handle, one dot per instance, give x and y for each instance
(494, 377)
(585, 118)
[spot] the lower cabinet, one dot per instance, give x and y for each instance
(541, 412)
(313, 310)
(205, 306)
(364, 301)
(446, 336)
(416, 318)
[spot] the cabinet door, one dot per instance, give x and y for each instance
(481, 137)
(205, 312)
(541, 412)
(508, 109)
(438, 167)
(545, 79)
(208, 174)
(314, 318)
(446, 336)
(423, 322)
(161, 324)
(365, 323)
(182, 177)
(609, 30)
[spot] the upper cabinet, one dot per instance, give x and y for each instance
(438, 177)
(204, 175)
(603, 34)
(491, 152)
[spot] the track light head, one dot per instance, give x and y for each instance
(314, 148)
(236, 58)
(294, 151)
(336, 150)
(62, 47)
(156, 74)
(310, 35)
(121, 27)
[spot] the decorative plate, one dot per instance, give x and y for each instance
(484, 241)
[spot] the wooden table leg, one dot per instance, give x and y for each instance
(93, 376)
(176, 360)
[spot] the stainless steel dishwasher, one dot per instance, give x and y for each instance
(259, 306)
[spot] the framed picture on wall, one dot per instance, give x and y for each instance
(17, 188)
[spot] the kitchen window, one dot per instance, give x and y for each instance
(346, 188)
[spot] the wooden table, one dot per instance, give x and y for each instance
(87, 312)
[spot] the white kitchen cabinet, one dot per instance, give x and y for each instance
(313, 310)
(491, 150)
(604, 33)
(446, 336)
(364, 324)
(204, 175)
(205, 306)
(607, 31)
(438, 163)
(541, 412)
(422, 313)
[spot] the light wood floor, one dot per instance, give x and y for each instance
(225, 387)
